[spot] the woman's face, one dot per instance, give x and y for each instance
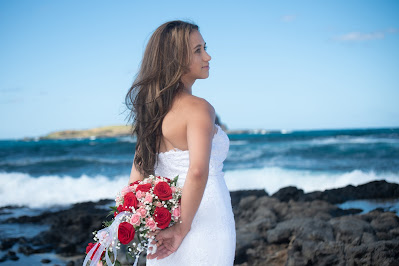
(199, 65)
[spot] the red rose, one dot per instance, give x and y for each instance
(163, 191)
(167, 179)
(144, 187)
(129, 200)
(135, 182)
(162, 217)
(90, 246)
(126, 233)
(120, 208)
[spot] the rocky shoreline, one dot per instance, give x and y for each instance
(289, 227)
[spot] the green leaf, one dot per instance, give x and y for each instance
(117, 263)
(107, 223)
(175, 180)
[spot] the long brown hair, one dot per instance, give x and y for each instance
(149, 99)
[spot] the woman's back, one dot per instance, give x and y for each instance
(174, 125)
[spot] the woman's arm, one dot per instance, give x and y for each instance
(200, 130)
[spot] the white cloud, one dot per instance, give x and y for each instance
(288, 18)
(358, 36)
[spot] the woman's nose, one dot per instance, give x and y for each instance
(207, 57)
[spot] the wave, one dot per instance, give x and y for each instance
(353, 140)
(24, 190)
(238, 142)
(60, 159)
(127, 139)
(52, 190)
(274, 178)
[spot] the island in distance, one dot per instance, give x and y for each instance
(124, 131)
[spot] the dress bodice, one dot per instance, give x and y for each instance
(176, 162)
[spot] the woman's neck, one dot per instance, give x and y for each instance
(188, 84)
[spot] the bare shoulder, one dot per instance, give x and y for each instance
(197, 107)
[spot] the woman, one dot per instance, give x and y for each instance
(177, 135)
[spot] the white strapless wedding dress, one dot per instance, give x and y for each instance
(212, 238)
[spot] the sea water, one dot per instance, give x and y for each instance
(44, 173)
(39, 175)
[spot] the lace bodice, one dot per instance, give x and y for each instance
(176, 162)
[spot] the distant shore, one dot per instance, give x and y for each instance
(124, 131)
(98, 132)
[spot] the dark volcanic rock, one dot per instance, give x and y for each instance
(372, 190)
(290, 228)
(293, 228)
(70, 229)
(289, 193)
(304, 228)
(45, 261)
(11, 255)
(236, 196)
(8, 243)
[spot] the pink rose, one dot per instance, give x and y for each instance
(142, 212)
(176, 212)
(125, 190)
(150, 223)
(148, 197)
(158, 204)
(139, 194)
(173, 189)
(135, 220)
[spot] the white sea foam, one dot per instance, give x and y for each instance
(273, 178)
(238, 142)
(37, 160)
(128, 139)
(25, 190)
(352, 140)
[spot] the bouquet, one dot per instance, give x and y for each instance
(142, 207)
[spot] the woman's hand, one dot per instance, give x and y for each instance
(168, 241)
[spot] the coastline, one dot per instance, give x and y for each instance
(113, 131)
(278, 229)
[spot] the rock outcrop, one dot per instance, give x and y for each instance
(288, 228)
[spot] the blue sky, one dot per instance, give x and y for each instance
(275, 64)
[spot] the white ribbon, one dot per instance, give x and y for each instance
(106, 237)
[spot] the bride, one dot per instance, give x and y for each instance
(177, 135)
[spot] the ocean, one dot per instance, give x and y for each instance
(44, 173)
